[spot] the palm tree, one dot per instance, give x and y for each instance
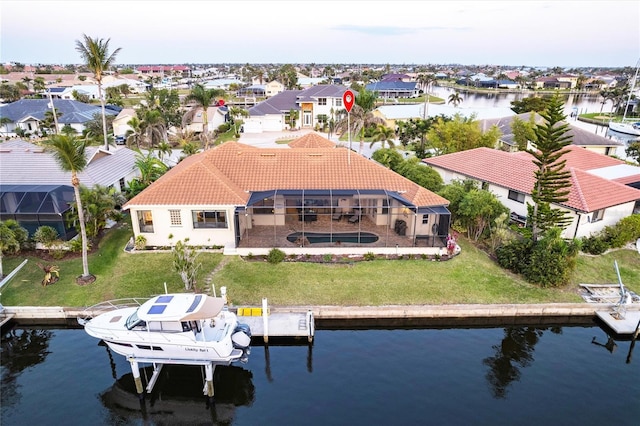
(153, 127)
(360, 120)
(426, 80)
(164, 148)
(455, 99)
(96, 56)
(383, 134)
(12, 236)
(69, 153)
(203, 98)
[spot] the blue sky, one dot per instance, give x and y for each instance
(533, 33)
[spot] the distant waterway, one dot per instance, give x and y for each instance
(560, 375)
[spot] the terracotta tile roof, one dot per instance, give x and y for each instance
(311, 140)
(228, 173)
(515, 171)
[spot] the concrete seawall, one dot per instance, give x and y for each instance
(380, 315)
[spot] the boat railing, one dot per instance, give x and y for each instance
(110, 305)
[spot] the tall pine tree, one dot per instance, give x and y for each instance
(552, 179)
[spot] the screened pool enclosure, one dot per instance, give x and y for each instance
(320, 218)
(33, 206)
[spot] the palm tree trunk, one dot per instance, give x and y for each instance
(104, 117)
(83, 228)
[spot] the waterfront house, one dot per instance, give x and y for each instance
(603, 189)
(579, 137)
(35, 191)
(241, 197)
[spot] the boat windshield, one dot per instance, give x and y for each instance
(133, 321)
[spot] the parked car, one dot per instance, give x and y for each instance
(120, 140)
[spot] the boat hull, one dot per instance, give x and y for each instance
(626, 128)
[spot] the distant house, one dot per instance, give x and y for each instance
(238, 196)
(273, 88)
(254, 90)
(603, 189)
(121, 122)
(394, 89)
(28, 114)
(216, 115)
(314, 107)
(579, 137)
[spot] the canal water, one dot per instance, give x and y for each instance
(561, 375)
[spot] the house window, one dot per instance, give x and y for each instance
(322, 118)
(322, 101)
(263, 206)
(516, 196)
(145, 220)
(425, 219)
(122, 184)
(597, 215)
(338, 102)
(385, 206)
(175, 218)
(209, 219)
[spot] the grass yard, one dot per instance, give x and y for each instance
(470, 277)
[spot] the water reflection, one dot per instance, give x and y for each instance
(20, 349)
(177, 399)
(515, 351)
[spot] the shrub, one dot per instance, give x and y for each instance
(141, 242)
(594, 245)
(369, 256)
(45, 235)
(623, 232)
(515, 255)
(327, 257)
(75, 245)
(275, 256)
(553, 260)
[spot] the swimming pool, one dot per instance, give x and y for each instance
(343, 237)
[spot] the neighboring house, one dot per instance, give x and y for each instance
(392, 114)
(394, 89)
(602, 191)
(579, 137)
(222, 83)
(216, 115)
(120, 123)
(314, 106)
(37, 181)
(273, 88)
(27, 114)
(237, 195)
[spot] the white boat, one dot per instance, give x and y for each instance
(626, 128)
(180, 328)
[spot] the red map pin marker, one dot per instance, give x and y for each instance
(348, 99)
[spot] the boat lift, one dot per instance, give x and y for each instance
(619, 318)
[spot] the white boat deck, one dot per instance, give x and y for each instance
(622, 325)
(281, 325)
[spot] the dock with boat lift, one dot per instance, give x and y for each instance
(287, 325)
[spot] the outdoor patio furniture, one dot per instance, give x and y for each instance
(336, 216)
(355, 218)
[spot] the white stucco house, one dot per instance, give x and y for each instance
(314, 106)
(603, 189)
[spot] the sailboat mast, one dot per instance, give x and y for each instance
(633, 86)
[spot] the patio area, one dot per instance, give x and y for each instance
(276, 236)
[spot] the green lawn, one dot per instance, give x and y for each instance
(470, 277)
